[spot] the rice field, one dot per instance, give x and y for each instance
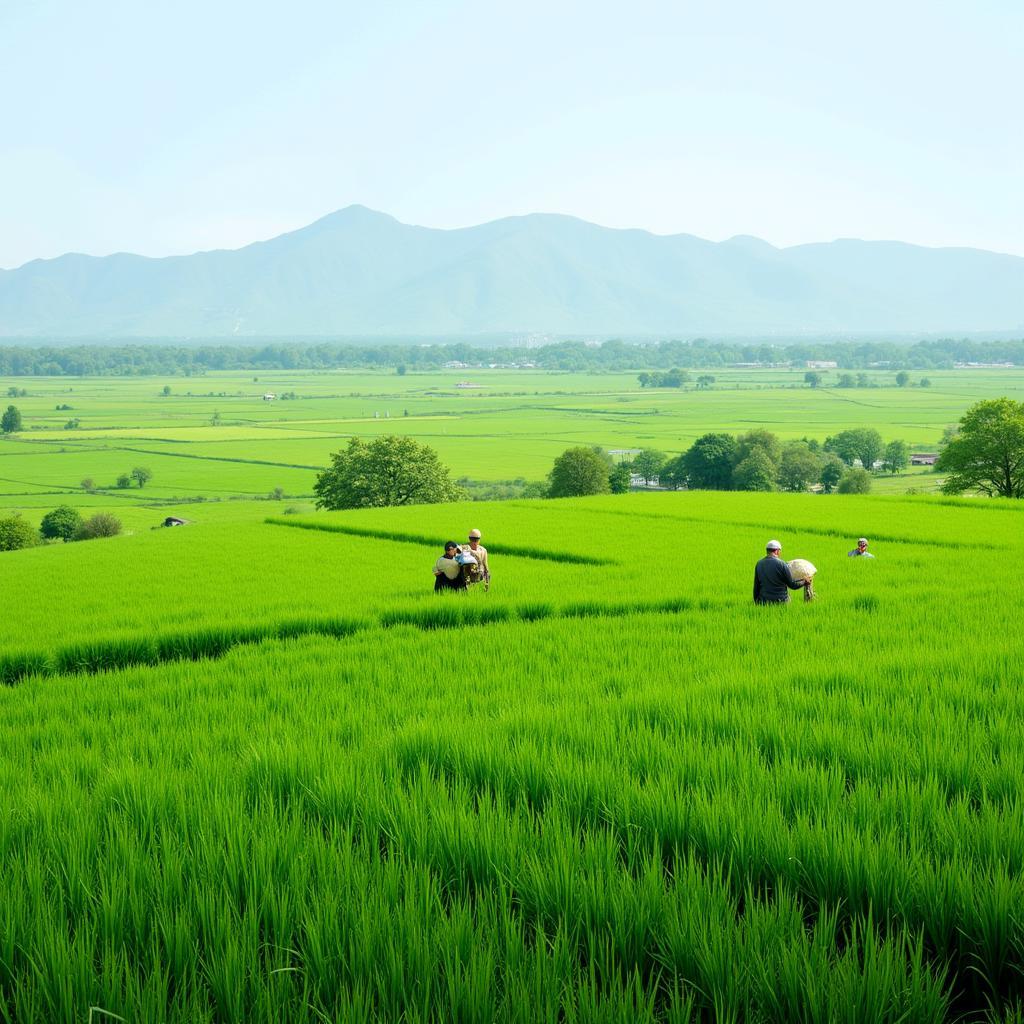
(254, 769)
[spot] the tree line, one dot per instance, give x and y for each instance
(160, 359)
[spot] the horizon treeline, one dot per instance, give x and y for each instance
(86, 360)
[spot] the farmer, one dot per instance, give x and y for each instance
(861, 550)
(448, 571)
(772, 579)
(482, 574)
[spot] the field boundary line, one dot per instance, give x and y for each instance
(513, 550)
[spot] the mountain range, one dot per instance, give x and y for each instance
(360, 272)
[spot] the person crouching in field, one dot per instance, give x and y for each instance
(772, 579)
(448, 571)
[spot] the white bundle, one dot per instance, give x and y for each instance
(801, 569)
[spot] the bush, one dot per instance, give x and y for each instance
(855, 481)
(61, 524)
(103, 524)
(15, 534)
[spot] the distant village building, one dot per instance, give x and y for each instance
(269, 396)
(468, 384)
(454, 364)
(984, 366)
(924, 458)
(821, 364)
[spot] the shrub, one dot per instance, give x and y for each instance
(855, 481)
(61, 524)
(103, 524)
(15, 534)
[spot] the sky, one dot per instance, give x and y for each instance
(170, 128)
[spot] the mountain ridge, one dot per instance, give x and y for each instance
(361, 271)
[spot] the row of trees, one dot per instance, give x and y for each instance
(63, 523)
(176, 359)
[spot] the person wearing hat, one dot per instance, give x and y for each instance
(448, 570)
(772, 579)
(479, 552)
(861, 550)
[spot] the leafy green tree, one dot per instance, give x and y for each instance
(765, 440)
(15, 533)
(897, 456)
(902, 379)
(88, 484)
(863, 380)
(401, 369)
(141, 475)
(61, 523)
(103, 524)
(925, 382)
(705, 380)
(709, 462)
(124, 480)
(577, 472)
(846, 380)
(387, 471)
(855, 481)
(166, 390)
(812, 378)
(648, 463)
(755, 473)
(10, 422)
(618, 478)
(799, 467)
(832, 470)
(644, 379)
(987, 454)
(864, 443)
(673, 473)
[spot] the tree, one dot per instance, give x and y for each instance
(579, 471)
(763, 439)
(812, 378)
(103, 524)
(897, 456)
(864, 443)
(619, 478)
(855, 481)
(709, 462)
(902, 379)
(832, 470)
(88, 484)
(673, 473)
(799, 468)
(15, 533)
(124, 480)
(648, 463)
(643, 379)
(987, 454)
(141, 475)
(10, 422)
(401, 370)
(277, 494)
(705, 380)
(755, 473)
(166, 390)
(925, 382)
(846, 380)
(387, 471)
(62, 523)
(863, 380)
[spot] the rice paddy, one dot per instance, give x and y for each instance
(255, 770)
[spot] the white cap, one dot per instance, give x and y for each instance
(474, 534)
(773, 545)
(862, 540)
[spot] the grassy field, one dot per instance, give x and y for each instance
(256, 771)
(513, 426)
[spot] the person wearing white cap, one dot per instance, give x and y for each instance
(483, 573)
(861, 550)
(772, 579)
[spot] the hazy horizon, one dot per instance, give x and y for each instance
(227, 123)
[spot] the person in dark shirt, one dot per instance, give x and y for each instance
(772, 579)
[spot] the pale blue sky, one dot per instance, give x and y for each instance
(128, 125)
